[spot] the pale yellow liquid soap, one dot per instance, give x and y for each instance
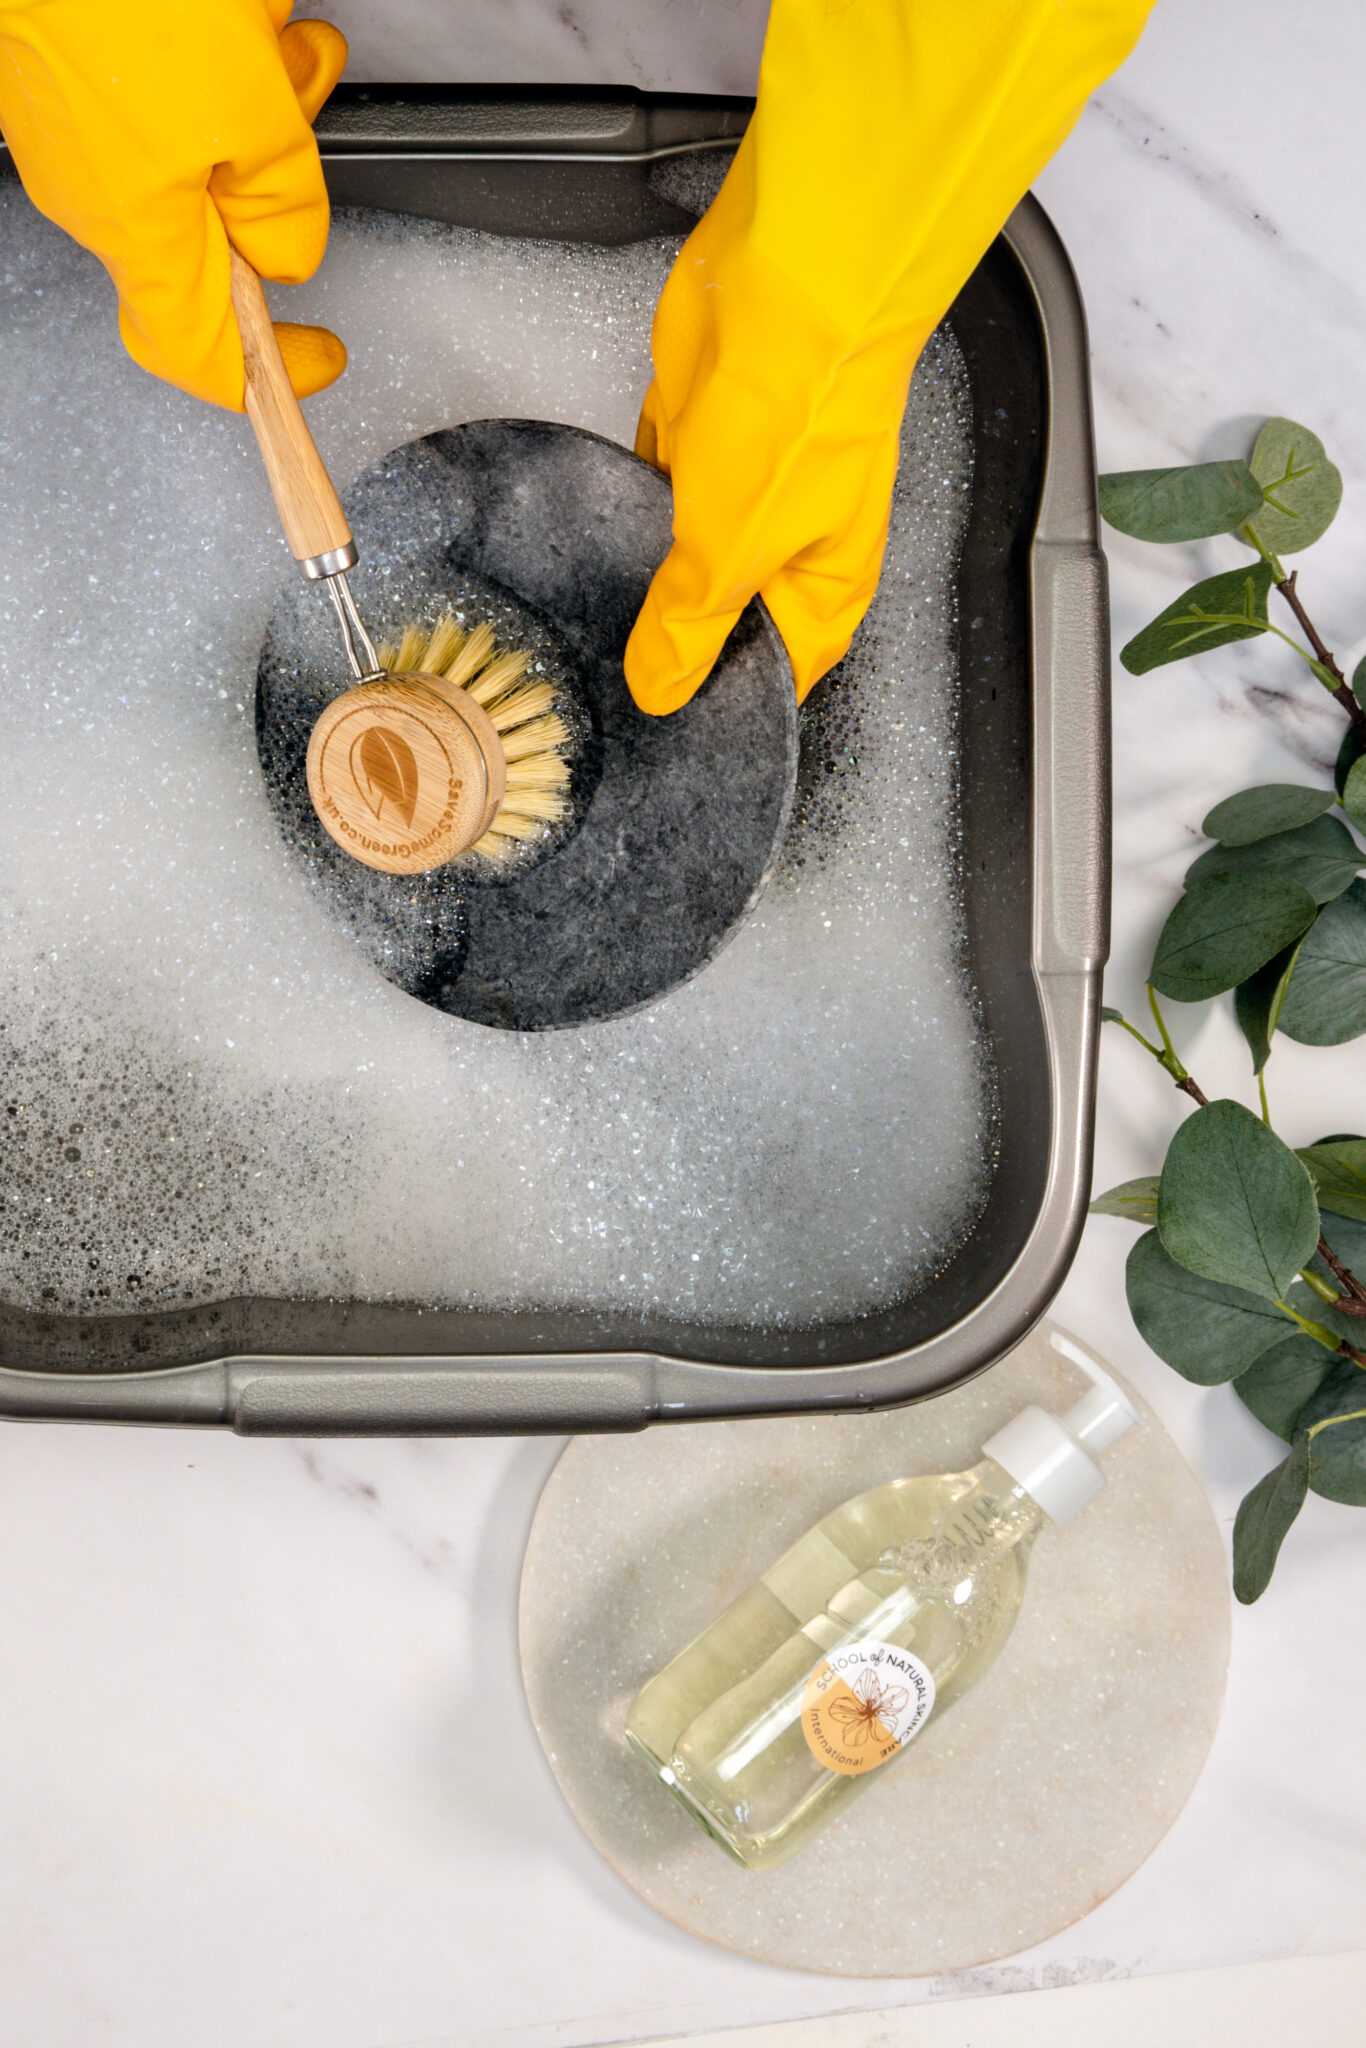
(825, 1670)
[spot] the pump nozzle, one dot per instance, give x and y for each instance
(1053, 1456)
(1103, 1414)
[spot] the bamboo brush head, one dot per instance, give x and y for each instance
(457, 748)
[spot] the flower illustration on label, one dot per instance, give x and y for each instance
(870, 1710)
(863, 1704)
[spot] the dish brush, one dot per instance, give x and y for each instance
(445, 744)
(521, 709)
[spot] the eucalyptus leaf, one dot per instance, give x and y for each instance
(1276, 1386)
(1263, 1522)
(1337, 1445)
(1221, 609)
(1301, 487)
(1258, 813)
(1257, 1004)
(1135, 1200)
(1322, 857)
(1190, 503)
(1325, 1003)
(1206, 1332)
(1234, 1203)
(1224, 929)
(1354, 794)
(1349, 753)
(1337, 1167)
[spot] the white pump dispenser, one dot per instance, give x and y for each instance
(1053, 1457)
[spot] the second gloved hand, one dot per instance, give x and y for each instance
(890, 141)
(156, 134)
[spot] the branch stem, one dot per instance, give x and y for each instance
(1342, 690)
(1351, 1297)
(1168, 1057)
(1345, 1277)
(1134, 1032)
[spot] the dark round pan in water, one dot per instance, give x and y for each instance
(551, 534)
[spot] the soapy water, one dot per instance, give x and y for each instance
(208, 1091)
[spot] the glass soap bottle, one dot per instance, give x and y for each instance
(892, 1607)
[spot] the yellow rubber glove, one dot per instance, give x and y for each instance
(890, 142)
(156, 132)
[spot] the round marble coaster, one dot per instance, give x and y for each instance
(1035, 1796)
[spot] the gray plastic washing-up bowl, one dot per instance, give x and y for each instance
(1035, 878)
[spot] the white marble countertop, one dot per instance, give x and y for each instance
(265, 1764)
(659, 45)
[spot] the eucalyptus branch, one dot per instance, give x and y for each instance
(1329, 1339)
(1347, 1281)
(1238, 1208)
(1168, 1056)
(1351, 1299)
(1345, 1349)
(1198, 617)
(1331, 678)
(1324, 664)
(1340, 687)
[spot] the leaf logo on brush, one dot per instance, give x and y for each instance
(385, 772)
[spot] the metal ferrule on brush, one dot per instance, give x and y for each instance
(360, 648)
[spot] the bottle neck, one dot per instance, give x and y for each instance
(997, 1501)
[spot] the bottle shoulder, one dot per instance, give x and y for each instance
(921, 1504)
(917, 1494)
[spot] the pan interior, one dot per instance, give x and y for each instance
(222, 1103)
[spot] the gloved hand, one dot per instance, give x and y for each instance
(157, 133)
(890, 141)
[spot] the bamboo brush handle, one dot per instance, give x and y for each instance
(310, 511)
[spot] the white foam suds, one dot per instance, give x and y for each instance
(209, 1091)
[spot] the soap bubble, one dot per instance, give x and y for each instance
(210, 1091)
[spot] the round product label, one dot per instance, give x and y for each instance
(863, 1704)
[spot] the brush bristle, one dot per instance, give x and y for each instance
(541, 771)
(411, 649)
(446, 642)
(522, 712)
(539, 736)
(524, 701)
(498, 678)
(511, 828)
(476, 653)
